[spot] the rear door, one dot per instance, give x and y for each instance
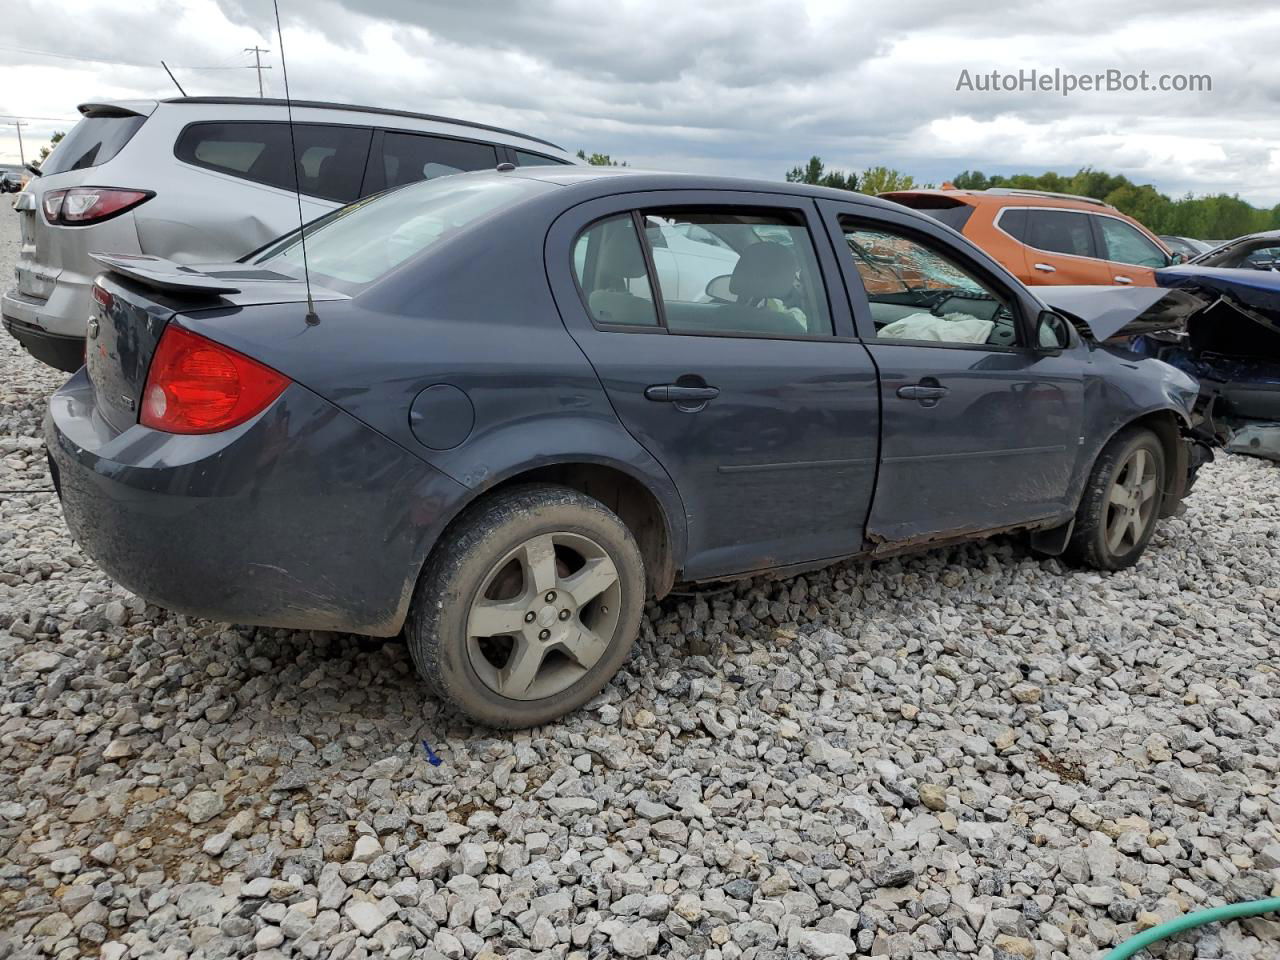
(1130, 256)
(980, 430)
(1058, 246)
(760, 404)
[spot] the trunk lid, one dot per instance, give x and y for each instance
(137, 298)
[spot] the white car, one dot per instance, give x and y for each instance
(198, 179)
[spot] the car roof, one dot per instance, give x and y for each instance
(1010, 197)
(628, 179)
(145, 107)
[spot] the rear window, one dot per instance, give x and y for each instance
(953, 217)
(92, 141)
(331, 158)
(367, 240)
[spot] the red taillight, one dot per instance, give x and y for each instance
(78, 206)
(101, 297)
(198, 386)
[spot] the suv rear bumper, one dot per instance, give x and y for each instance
(55, 349)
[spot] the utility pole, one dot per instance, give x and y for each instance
(22, 155)
(257, 52)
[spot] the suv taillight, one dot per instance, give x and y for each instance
(78, 206)
(198, 386)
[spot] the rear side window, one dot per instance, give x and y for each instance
(729, 272)
(609, 264)
(1126, 244)
(410, 157)
(330, 158)
(536, 160)
(92, 141)
(1057, 231)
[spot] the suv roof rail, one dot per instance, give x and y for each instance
(1016, 192)
(356, 108)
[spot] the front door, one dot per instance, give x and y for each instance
(752, 393)
(980, 429)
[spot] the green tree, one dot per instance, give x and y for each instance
(971, 180)
(600, 159)
(48, 148)
(885, 180)
(815, 172)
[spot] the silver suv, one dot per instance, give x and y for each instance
(209, 178)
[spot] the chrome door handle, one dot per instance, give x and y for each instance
(1122, 280)
(1046, 267)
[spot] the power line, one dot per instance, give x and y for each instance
(118, 63)
(14, 116)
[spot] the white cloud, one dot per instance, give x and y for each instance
(750, 88)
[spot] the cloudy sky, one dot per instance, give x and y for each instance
(751, 87)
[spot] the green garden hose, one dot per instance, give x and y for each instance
(1189, 921)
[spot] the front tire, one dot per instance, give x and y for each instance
(529, 608)
(1121, 503)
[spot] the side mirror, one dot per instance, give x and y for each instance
(1177, 258)
(1053, 331)
(718, 289)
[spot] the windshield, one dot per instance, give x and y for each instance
(360, 243)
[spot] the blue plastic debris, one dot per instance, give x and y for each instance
(431, 757)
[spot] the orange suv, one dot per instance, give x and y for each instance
(1048, 238)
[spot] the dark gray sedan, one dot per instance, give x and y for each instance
(521, 402)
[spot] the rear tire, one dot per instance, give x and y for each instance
(1121, 503)
(529, 608)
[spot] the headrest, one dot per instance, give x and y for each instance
(620, 255)
(764, 270)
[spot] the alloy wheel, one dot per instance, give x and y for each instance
(544, 615)
(1131, 502)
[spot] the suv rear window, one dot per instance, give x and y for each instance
(92, 141)
(331, 158)
(358, 244)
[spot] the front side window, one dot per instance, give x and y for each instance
(330, 159)
(741, 272)
(1124, 243)
(409, 157)
(917, 293)
(1056, 231)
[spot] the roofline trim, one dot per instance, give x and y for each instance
(357, 108)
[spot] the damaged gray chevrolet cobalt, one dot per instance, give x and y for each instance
(498, 410)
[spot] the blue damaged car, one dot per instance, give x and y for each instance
(484, 410)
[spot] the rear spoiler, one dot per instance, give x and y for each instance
(118, 108)
(161, 274)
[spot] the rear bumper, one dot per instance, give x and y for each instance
(57, 350)
(303, 518)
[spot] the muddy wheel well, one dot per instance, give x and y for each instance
(630, 499)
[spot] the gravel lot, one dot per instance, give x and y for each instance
(971, 753)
